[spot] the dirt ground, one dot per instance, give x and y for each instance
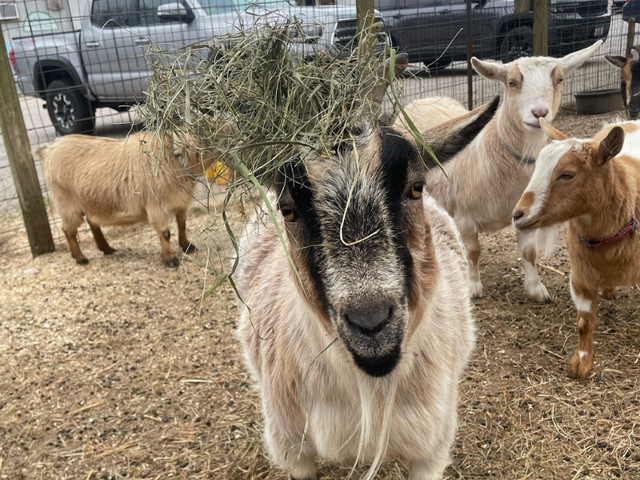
(121, 370)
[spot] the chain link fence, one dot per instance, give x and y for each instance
(81, 64)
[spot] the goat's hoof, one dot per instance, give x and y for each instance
(82, 261)
(610, 293)
(190, 248)
(581, 365)
(475, 289)
(538, 293)
(172, 262)
(109, 251)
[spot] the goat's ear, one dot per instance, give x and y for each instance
(635, 56)
(376, 86)
(449, 138)
(574, 60)
(490, 70)
(552, 133)
(616, 61)
(610, 146)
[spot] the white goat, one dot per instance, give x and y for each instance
(121, 182)
(429, 112)
(357, 352)
(485, 181)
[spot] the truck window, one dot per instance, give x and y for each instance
(148, 11)
(113, 14)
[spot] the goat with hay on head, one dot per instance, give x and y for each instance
(595, 186)
(143, 178)
(480, 187)
(358, 333)
(629, 81)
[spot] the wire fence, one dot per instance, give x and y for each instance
(81, 64)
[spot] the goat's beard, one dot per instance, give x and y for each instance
(377, 399)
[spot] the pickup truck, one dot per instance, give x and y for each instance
(426, 29)
(104, 63)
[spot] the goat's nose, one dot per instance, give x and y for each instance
(518, 214)
(369, 319)
(539, 112)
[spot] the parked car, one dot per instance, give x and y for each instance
(631, 9)
(104, 64)
(427, 29)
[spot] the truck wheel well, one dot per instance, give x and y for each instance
(47, 74)
(509, 25)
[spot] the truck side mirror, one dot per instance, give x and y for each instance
(175, 12)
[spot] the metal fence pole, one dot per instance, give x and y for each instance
(469, 55)
(23, 168)
(541, 27)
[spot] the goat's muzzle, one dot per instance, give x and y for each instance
(373, 333)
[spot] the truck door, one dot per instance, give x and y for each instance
(115, 44)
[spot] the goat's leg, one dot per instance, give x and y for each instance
(98, 236)
(586, 301)
(70, 224)
(159, 222)
(472, 245)
(533, 287)
(300, 465)
(186, 245)
(610, 293)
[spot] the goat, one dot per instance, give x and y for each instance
(122, 182)
(480, 187)
(426, 113)
(595, 186)
(629, 81)
(371, 329)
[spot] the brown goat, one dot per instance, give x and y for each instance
(122, 182)
(595, 186)
(629, 81)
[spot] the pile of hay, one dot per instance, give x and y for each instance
(249, 99)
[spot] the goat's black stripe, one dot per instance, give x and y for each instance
(634, 101)
(396, 156)
(300, 190)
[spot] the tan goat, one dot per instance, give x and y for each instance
(429, 112)
(122, 182)
(595, 186)
(357, 352)
(484, 182)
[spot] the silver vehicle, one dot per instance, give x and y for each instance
(105, 62)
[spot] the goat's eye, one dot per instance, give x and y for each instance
(560, 80)
(566, 176)
(512, 83)
(416, 190)
(288, 213)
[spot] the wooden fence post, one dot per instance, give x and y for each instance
(364, 13)
(23, 169)
(469, 55)
(541, 27)
(631, 33)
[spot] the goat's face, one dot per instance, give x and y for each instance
(533, 86)
(569, 179)
(629, 81)
(361, 241)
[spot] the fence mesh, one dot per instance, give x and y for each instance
(80, 64)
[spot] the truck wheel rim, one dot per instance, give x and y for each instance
(63, 111)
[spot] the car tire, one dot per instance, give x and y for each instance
(69, 110)
(518, 43)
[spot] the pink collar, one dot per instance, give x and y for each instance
(624, 231)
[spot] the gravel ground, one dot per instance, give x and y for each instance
(126, 369)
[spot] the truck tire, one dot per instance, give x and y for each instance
(518, 43)
(69, 110)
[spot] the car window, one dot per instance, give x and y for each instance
(113, 14)
(217, 7)
(149, 11)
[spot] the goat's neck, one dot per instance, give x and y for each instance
(524, 142)
(614, 210)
